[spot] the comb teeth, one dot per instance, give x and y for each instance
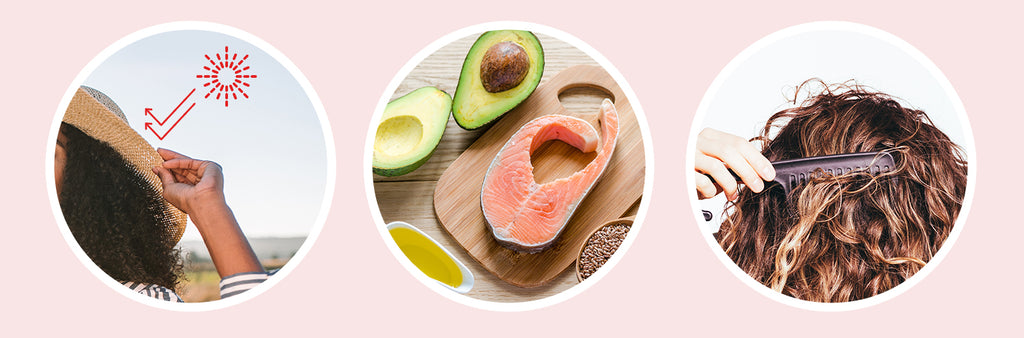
(792, 173)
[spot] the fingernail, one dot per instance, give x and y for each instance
(770, 171)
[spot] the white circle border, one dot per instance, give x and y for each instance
(593, 54)
(940, 78)
(278, 57)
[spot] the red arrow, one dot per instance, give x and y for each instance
(149, 125)
(149, 111)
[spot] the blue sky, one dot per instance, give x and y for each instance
(270, 145)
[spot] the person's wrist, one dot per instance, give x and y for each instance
(203, 209)
(208, 196)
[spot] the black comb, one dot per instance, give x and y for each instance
(791, 173)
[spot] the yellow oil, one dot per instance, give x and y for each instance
(427, 256)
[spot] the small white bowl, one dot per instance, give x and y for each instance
(579, 255)
(467, 276)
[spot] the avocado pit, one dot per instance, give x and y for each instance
(504, 67)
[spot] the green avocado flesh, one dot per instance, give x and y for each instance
(410, 130)
(475, 107)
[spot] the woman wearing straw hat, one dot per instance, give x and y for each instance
(126, 203)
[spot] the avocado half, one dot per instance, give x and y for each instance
(474, 106)
(410, 130)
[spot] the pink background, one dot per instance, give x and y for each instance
(668, 282)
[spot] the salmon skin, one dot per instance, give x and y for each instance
(526, 216)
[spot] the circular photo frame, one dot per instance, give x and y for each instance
(429, 172)
(215, 93)
(825, 234)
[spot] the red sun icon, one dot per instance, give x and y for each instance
(227, 76)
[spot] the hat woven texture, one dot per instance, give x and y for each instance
(98, 116)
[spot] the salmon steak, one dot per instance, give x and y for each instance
(529, 217)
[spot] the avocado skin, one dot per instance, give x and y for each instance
(473, 107)
(392, 172)
(432, 131)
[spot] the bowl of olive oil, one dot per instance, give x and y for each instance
(431, 258)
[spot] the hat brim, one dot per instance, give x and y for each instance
(98, 116)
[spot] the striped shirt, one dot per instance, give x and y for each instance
(229, 286)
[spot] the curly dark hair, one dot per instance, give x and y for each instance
(114, 215)
(852, 236)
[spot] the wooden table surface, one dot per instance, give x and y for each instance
(409, 197)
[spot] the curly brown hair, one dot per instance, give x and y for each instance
(852, 236)
(113, 214)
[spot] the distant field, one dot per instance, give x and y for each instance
(202, 281)
(265, 248)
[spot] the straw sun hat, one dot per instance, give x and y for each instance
(98, 116)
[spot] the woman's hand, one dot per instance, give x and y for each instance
(717, 152)
(197, 188)
(190, 184)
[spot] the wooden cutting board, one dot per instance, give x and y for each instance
(457, 194)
